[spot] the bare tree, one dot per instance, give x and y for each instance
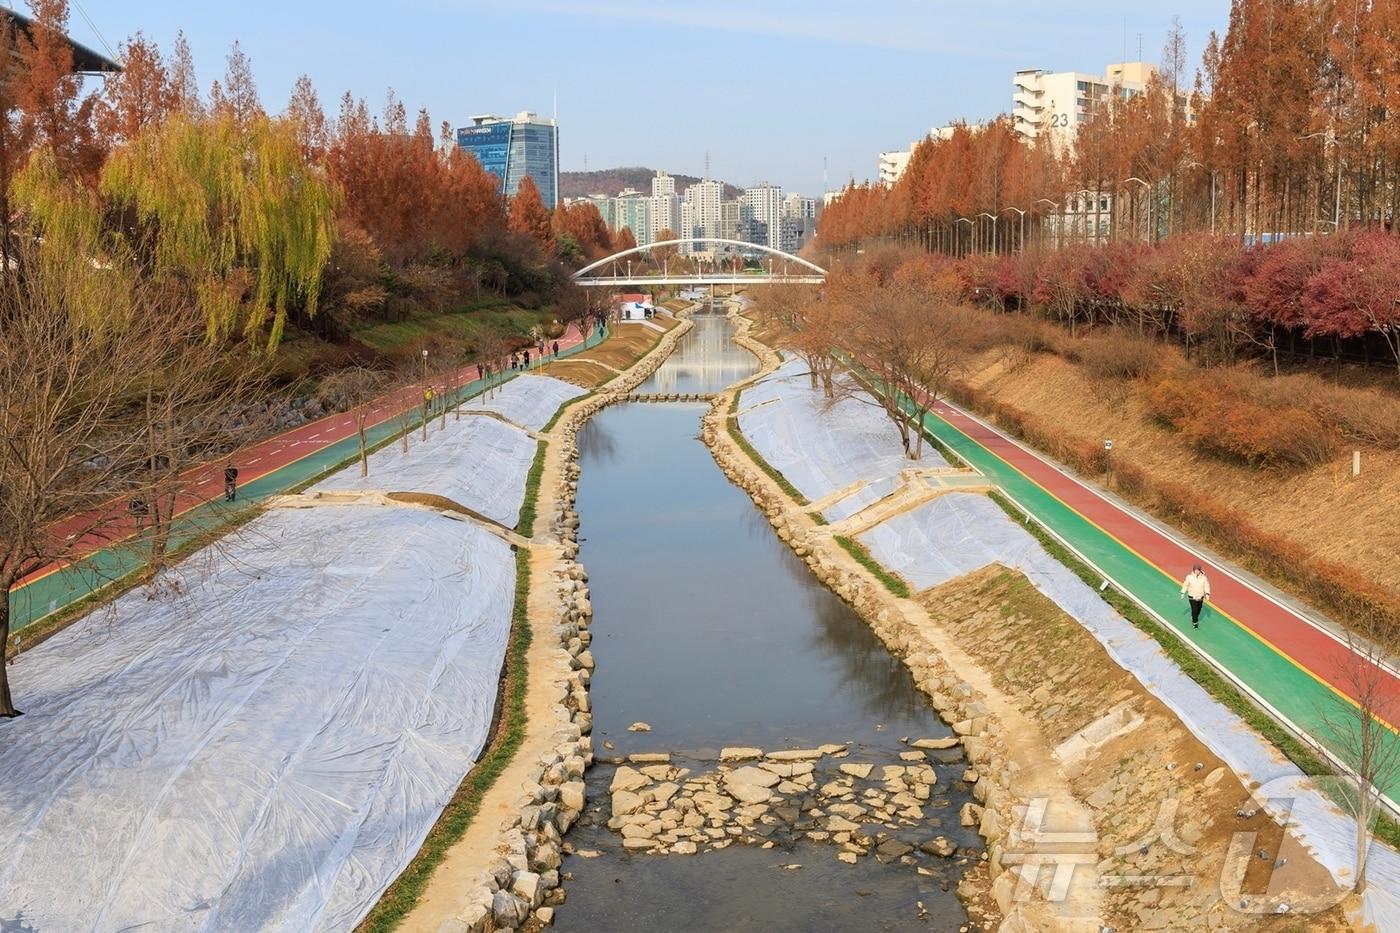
(200, 402)
(68, 419)
(808, 326)
(1364, 728)
(492, 347)
(356, 390)
(913, 346)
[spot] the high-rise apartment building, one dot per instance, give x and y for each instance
(512, 148)
(761, 215)
(632, 209)
(1054, 104)
(665, 207)
(700, 212)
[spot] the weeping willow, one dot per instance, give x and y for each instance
(235, 211)
(74, 260)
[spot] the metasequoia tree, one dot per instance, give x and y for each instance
(529, 215)
(139, 96)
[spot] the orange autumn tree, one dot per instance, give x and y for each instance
(529, 216)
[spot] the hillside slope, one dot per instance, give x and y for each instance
(1330, 514)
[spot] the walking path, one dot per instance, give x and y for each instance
(1297, 669)
(268, 468)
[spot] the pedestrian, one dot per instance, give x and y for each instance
(230, 483)
(527, 357)
(1196, 589)
(556, 349)
(139, 509)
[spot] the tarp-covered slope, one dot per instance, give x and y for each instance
(958, 533)
(528, 400)
(265, 750)
(821, 448)
(476, 461)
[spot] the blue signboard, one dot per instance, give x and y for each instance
(490, 143)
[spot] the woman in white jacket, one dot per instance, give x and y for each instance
(1196, 589)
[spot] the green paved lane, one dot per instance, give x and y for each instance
(49, 594)
(1291, 691)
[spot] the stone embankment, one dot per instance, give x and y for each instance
(518, 887)
(1011, 760)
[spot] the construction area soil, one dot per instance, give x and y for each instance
(1333, 516)
(1165, 808)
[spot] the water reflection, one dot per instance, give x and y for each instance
(706, 360)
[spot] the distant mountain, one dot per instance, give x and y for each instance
(610, 181)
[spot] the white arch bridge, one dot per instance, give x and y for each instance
(783, 268)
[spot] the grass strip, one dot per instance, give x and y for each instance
(764, 465)
(525, 527)
(818, 518)
(402, 896)
(1214, 683)
(893, 582)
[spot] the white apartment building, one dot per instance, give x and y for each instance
(796, 207)
(1054, 104)
(700, 213)
(892, 165)
(761, 215)
(665, 207)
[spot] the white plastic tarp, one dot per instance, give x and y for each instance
(477, 461)
(961, 532)
(527, 400)
(821, 448)
(265, 748)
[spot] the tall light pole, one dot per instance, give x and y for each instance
(994, 218)
(1056, 206)
(1149, 203)
(425, 393)
(965, 220)
(1023, 225)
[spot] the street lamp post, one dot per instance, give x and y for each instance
(426, 396)
(994, 218)
(965, 220)
(1056, 206)
(1022, 239)
(1149, 203)
(1212, 194)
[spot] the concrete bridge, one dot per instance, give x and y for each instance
(802, 271)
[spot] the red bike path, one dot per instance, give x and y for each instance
(114, 525)
(1288, 663)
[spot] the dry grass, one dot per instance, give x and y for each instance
(581, 373)
(1323, 510)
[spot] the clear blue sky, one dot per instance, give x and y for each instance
(768, 88)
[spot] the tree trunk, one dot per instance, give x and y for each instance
(7, 703)
(364, 452)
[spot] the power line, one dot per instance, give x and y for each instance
(97, 32)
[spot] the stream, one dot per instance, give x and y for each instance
(710, 631)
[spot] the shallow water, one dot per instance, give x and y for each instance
(710, 630)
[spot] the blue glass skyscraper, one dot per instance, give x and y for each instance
(511, 148)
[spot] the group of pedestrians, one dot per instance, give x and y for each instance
(521, 360)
